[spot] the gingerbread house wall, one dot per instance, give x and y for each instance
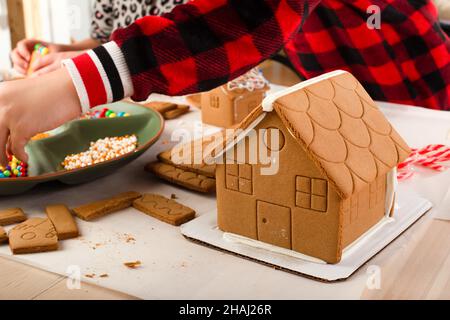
(296, 209)
(223, 109)
(363, 210)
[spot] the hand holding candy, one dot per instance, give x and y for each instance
(31, 106)
(21, 55)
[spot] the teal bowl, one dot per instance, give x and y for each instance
(46, 155)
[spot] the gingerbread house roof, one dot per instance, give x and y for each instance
(340, 127)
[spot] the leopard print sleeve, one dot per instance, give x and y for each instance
(102, 24)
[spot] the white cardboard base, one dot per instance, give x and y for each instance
(410, 209)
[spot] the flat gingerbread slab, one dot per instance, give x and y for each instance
(168, 110)
(164, 209)
(161, 107)
(12, 216)
(178, 112)
(62, 219)
(184, 178)
(3, 236)
(203, 169)
(195, 100)
(194, 159)
(33, 236)
(94, 210)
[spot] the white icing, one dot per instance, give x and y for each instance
(268, 102)
(348, 251)
(251, 81)
(231, 237)
(358, 243)
(391, 189)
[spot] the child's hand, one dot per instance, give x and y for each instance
(32, 106)
(21, 55)
(51, 62)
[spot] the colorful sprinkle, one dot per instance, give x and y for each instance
(15, 168)
(105, 113)
(100, 151)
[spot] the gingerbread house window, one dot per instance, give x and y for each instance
(311, 193)
(239, 177)
(214, 101)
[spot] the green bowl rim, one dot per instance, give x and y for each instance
(64, 172)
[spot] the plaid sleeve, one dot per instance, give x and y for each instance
(196, 47)
(406, 59)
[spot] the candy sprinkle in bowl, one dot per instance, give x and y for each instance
(47, 154)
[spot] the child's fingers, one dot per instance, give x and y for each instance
(47, 69)
(43, 62)
(9, 151)
(20, 70)
(3, 139)
(24, 50)
(18, 143)
(19, 63)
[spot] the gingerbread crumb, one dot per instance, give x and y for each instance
(130, 238)
(133, 265)
(173, 196)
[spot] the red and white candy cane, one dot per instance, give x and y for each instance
(434, 157)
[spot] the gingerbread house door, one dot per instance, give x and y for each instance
(274, 224)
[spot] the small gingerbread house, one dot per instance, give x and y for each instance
(227, 105)
(337, 157)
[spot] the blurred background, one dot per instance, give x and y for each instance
(63, 21)
(60, 21)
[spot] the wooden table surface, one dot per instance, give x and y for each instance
(419, 270)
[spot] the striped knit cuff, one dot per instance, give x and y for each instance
(100, 76)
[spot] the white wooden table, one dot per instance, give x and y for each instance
(416, 265)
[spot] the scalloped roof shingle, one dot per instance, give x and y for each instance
(343, 131)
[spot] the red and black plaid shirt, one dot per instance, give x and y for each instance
(205, 43)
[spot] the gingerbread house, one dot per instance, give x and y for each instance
(337, 157)
(227, 105)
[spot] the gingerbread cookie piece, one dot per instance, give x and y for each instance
(191, 156)
(91, 211)
(195, 100)
(3, 236)
(168, 110)
(33, 236)
(201, 168)
(62, 219)
(178, 112)
(12, 216)
(133, 264)
(184, 178)
(166, 210)
(161, 107)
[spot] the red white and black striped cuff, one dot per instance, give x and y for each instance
(100, 76)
